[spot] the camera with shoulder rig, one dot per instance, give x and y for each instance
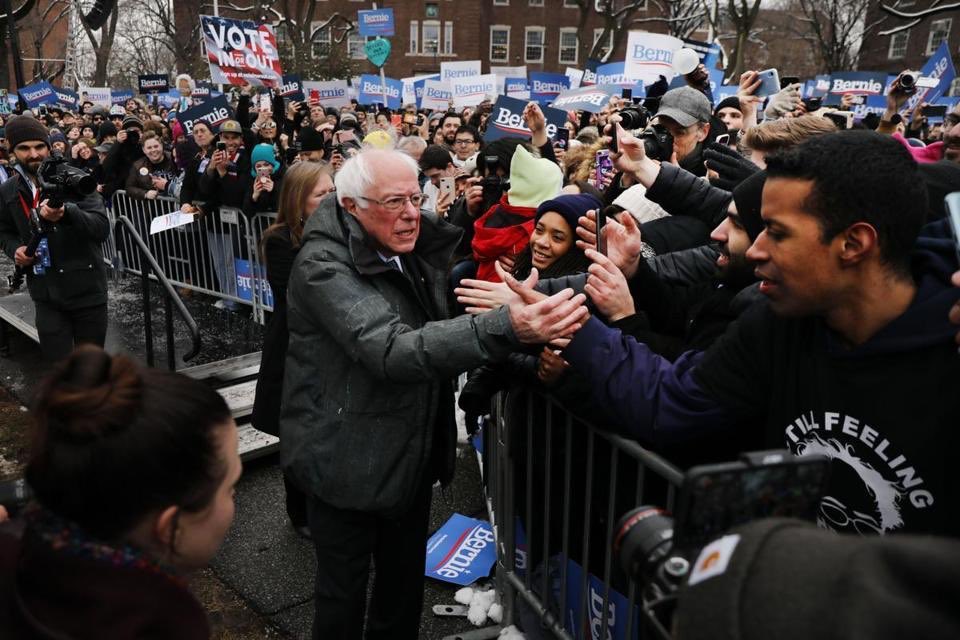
(60, 181)
(657, 141)
(661, 550)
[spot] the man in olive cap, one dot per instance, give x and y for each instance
(66, 275)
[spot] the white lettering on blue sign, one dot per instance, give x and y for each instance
(539, 86)
(464, 555)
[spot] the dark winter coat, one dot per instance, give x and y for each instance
(367, 413)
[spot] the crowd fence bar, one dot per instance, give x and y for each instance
(598, 576)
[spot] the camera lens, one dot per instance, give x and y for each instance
(632, 118)
(643, 536)
(908, 81)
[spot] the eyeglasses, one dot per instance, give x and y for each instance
(465, 142)
(396, 203)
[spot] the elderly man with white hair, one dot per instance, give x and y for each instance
(367, 425)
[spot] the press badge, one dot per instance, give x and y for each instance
(41, 258)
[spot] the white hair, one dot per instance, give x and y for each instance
(356, 175)
(411, 144)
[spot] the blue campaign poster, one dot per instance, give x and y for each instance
(370, 91)
(245, 282)
(461, 552)
(376, 22)
(545, 87)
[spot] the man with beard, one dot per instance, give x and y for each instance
(66, 277)
(951, 135)
(449, 124)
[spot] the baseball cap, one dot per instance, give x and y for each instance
(686, 105)
(117, 110)
(231, 126)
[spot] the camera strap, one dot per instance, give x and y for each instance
(26, 208)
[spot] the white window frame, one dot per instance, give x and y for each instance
(506, 46)
(501, 2)
(535, 3)
(931, 47)
(896, 45)
(414, 47)
(423, 36)
(561, 46)
(357, 53)
(597, 34)
(526, 46)
(321, 41)
(570, 4)
(447, 38)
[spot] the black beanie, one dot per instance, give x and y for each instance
(726, 103)
(748, 195)
(570, 206)
(24, 129)
(503, 149)
(310, 140)
(107, 128)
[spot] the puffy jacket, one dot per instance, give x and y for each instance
(367, 413)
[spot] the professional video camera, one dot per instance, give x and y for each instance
(657, 141)
(494, 185)
(59, 181)
(657, 550)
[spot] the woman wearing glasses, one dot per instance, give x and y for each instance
(304, 186)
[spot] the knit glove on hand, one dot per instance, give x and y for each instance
(731, 167)
(783, 102)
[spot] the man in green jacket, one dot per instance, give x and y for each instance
(367, 425)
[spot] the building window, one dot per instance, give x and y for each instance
(501, 1)
(898, 45)
(570, 4)
(414, 37)
(533, 44)
(606, 46)
(939, 31)
(536, 3)
(321, 41)
(431, 37)
(448, 38)
(432, 10)
(499, 44)
(355, 44)
(568, 45)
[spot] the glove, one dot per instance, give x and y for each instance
(783, 102)
(731, 167)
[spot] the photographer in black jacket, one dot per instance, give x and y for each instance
(70, 287)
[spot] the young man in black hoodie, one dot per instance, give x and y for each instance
(852, 359)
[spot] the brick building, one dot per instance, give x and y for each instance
(43, 35)
(910, 49)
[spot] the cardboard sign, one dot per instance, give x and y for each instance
(650, 55)
(417, 89)
(291, 88)
(503, 73)
(618, 607)
(96, 95)
(709, 52)
(153, 83)
(870, 104)
(170, 221)
(516, 88)
(370, 91)
(864, 83)
(120, 96)
(615, 73)
(375, 22)
(939, 66)
(450, 71)
(246, 283)
(330, 93)
(506, 119)
(5, 106)
(469, 92)
(241, 52)
(461, 552)
(437, 95)
(545, 87)
(67, 98)
(592, 98)
(575, 75)
(377, 51)
(213, 112)
(37, 94)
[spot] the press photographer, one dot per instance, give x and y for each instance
(65, 275)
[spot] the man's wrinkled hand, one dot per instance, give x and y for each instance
(558, 316)
(623, 238)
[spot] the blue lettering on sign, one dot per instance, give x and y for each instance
(649, 54)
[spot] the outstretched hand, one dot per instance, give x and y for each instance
(479, 296)
(607, 287)
(622, 236)
(539, 322)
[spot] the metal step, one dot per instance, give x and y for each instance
(253, 443)
(226, 371)
(18, 311)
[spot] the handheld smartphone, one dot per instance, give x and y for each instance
(601, 221)
(952, 202)
(396, 120)
(562, 139)
(604, 167)
(927, 82)
(628, 94)
(812, 104)
(934, 111)
(410, 118)
(769, 83)
(265, 102)
(221, 146)
(715, 498)
(723, 138)
(448, 185)
(614, 142)
(786, 81)
(264, 172)
(314, 96)
(843, 119)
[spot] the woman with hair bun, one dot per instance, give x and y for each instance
(133, 471)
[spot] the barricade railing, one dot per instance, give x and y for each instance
(216, 254)
(557, 485)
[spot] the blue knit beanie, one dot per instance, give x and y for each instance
(263, 152)
(570, 206)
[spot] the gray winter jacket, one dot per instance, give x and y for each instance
(367, 387)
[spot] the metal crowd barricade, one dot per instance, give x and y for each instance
(557, 485)
(217, 254)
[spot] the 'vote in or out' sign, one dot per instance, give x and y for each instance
(377, 51)
(241, 51)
